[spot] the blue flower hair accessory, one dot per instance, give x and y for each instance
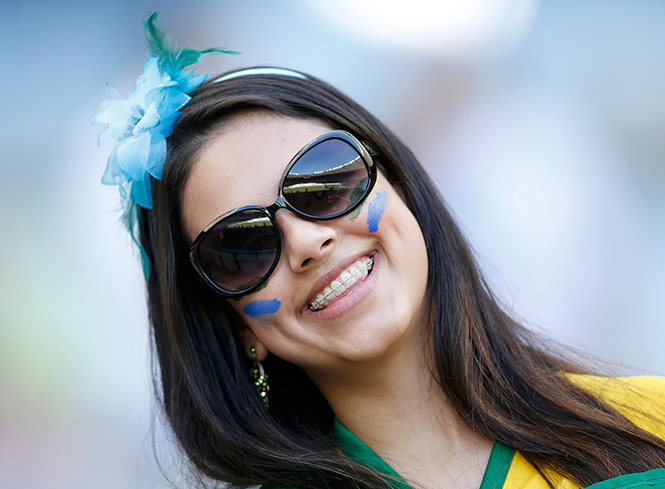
(137, 127)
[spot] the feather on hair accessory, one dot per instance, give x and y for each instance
(137, 127)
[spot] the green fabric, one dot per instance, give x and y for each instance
(495, 474)
(353, 447)
(497, 466)
(651, 479)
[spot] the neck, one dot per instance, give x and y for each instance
(396, 407)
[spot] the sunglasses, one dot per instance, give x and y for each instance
(327, 179)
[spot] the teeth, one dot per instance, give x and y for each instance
(346, 280)
(337, 287)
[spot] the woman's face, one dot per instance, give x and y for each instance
(379, 312)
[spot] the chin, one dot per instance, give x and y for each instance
(384, 340)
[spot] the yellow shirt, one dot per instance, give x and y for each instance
(631, 396)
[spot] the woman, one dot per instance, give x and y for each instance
(347, 282)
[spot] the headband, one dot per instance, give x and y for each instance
(261, 71)
(137, 127)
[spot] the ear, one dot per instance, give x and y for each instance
(250, 340)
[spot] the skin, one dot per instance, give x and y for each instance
(369, 359)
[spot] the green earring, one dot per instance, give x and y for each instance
(259, 377)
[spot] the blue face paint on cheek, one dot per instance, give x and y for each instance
(261, 309)
(375, 210)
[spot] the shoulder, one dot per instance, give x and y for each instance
(641, 399)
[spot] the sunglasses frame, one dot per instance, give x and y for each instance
(281, 203)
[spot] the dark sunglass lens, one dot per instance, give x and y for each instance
(326, 180)
(239, 250)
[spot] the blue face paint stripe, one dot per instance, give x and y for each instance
(375, 210)
(257, 309)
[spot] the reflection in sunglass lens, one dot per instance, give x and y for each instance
(238, 251)
(326, 180)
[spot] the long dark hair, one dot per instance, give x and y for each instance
(502, 379)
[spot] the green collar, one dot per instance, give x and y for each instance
(353, 447)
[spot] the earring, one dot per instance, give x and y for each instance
(259, 377)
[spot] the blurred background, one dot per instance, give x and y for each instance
(543, 123)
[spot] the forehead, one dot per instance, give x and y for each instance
(242, 164)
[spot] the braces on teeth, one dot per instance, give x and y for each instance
(346, 279)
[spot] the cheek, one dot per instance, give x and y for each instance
(356, 212)
(261, 309)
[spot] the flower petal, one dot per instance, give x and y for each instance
(173, 99)
(149, 120)
(155, 164)
(110, 111)
(189, 81)
(141, 192)
(133, 155)
(165, 128)
(112, 174)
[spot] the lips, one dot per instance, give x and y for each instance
(345, 281)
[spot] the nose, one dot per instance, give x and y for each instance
(305, 242)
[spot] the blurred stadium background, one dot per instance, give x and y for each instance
(542, 121)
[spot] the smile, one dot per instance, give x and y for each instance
(345, 281)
